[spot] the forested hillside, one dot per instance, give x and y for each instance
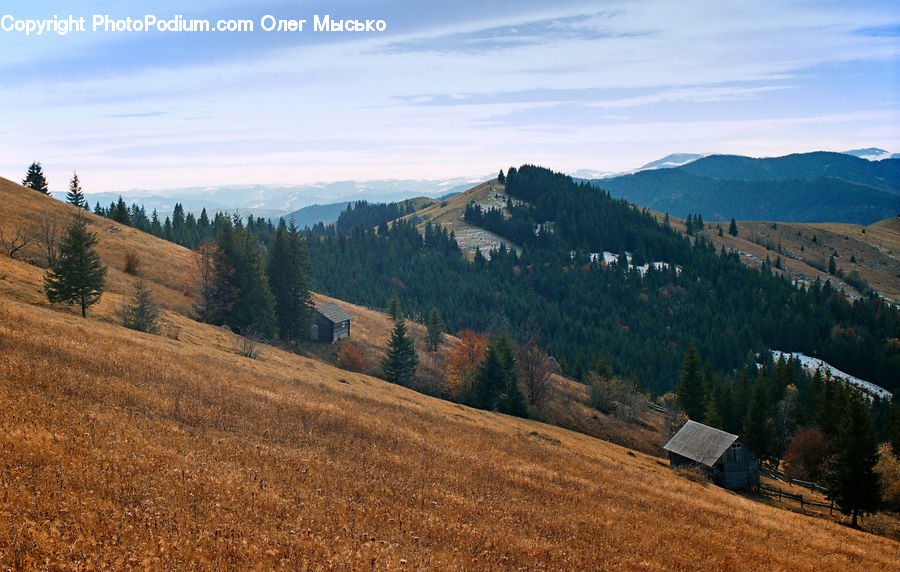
(584, 310)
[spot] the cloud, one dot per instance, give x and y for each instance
(452, 88)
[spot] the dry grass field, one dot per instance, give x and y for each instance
(125, 450)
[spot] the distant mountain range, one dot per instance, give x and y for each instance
(873, 154)
(807, 187)
(280, 200)
(857, 185)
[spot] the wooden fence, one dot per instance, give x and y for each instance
(779, 476)
(775, 492)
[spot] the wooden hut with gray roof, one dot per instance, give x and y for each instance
(331, 323)
(722, 456)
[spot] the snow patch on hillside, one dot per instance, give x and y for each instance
(811, 364)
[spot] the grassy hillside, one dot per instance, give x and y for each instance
(449, 214)
(122, 449)
(872, 252)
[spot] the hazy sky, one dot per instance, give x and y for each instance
(449, 89)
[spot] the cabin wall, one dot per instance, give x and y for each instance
(340, 330)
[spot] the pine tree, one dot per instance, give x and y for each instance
(395, 308)
(850, 477)
(34, 179)
(77, 276)
(501, 178)
(399, 365)
(75, 196)
(690, 390)
(118, 211)
(287, 269)
(497, 384)
(758, 429)
(141, 312)
(435, 330)
(832, 267)
(254, 306)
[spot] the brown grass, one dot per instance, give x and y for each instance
(875, 248)
(123, 450)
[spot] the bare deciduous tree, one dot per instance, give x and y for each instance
(14, 242)
(250, 342)
(535, 367)
(47, 233)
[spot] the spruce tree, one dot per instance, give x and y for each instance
(399, 365)
(141, 312)
(690, 390)
(77, 276)
(850, 475)
(832, 267)
(287, 269)
(435, 330)
(758, 429)
(395, 308)
(75, 196)
(254, 306)
(496, 383)
(118, 211)
(732, 228)
(34, 179)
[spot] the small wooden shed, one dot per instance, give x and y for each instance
(331, 323)
(726, 461)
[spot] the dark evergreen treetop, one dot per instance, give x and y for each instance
(287, 268)
(400, 363)
(690, 388)
(34, 179)
(850, 477)
(75, 196)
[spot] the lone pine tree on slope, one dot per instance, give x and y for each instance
(34, 179)
(399, 365)
(77, 276)
(75, 196)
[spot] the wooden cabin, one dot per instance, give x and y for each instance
(722, 456)
(331, 323)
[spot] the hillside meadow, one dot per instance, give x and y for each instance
(125, 450)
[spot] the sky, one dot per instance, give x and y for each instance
(448, 89)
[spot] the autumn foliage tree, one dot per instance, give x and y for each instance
(463, 360)
(805, 456)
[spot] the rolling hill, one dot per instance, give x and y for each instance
(811, 187)
(123, 450)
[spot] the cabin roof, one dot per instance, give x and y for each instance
(333, 313)
(700, 443)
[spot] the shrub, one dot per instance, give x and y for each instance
(805, 456)
(141, 312)
(349, 357)
(132, 263)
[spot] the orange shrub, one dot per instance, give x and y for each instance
(132, 263)
(350, 358)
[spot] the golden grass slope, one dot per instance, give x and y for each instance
(122, 449)
(872, 251)
(125, 450)
(449, 214)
